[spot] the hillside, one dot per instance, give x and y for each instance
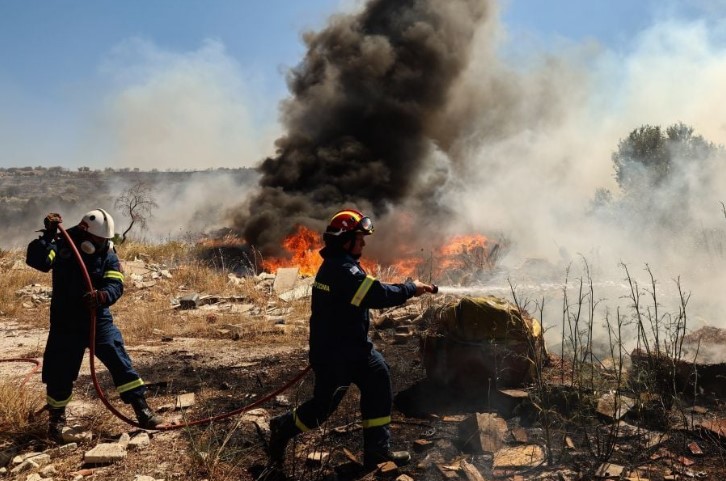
(188, 201)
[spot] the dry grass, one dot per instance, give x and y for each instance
(11, 280)
(147, 313)
(16, 408)
(171, 253)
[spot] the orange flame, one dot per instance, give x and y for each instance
(303, 247)
(461, 252)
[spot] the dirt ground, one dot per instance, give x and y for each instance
(226, 374)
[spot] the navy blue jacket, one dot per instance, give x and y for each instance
(341, 296)
(104, 268)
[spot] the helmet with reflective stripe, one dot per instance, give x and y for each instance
(99, 223)
(349, 220)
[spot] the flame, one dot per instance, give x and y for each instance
(303, 247)
(465, 252)
(462, 252)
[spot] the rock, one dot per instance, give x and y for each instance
(75, 434)
(285, 279)
(184, 400)
(470, 471)
(190, 301)
(608, 470)
(105, 453)
(525, 456)
(483, 432)
(26, 465)
(139, 441)
(317, 458)
(48, 470)
(614, 406)
(60, 450)
(123, 440)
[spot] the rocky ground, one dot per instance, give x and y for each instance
(548, 431)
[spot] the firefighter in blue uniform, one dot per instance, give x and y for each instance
(341, 352)
(70, 315)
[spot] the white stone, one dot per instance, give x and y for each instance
(105, 453)
(26, 465)
(185, 400)
(285, 279)
(41, 459)
(123, 440)
(139, 441)
(75, 435)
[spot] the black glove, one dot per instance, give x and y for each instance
(51, 222)
(95, 299)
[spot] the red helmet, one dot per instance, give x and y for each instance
(349, 220)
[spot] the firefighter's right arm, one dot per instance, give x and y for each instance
(41, 254)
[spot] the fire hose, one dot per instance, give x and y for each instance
(99, 390)
(32, 371)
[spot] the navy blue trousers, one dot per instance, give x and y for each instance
(63, 355)
(376, 397)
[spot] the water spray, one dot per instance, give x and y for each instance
(460, 290)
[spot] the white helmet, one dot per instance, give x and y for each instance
(99, 223)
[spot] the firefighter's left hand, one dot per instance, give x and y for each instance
(95, 299)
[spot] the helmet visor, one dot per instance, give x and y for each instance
(365, 225)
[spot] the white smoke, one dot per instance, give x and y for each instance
(540, 139)
(178, 111)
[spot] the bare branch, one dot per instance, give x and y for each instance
(136, 203)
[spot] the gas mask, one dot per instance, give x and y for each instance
(89, 247)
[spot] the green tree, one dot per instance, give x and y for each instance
(650, 157)
(642, 159)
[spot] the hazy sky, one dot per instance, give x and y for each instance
(195, 84)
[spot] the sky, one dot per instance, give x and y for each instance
(530, 124)
(195, 84)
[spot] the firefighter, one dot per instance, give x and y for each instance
(70, 316)
(341, 352)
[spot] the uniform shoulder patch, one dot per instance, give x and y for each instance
(355, 270)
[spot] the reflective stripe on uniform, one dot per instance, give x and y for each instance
(376, 422)
(130, 385)
(57, 404)
(362, 290)
(113, 275)
(300, 425)
(51, 256)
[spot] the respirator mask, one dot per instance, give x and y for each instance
(89, 247)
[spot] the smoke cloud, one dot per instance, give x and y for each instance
(412, 111)
(364, 117)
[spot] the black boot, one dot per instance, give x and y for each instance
(282, 430)
(371, 459)
(56, 423)
(146, 417)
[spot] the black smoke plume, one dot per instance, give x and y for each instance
(366, 103)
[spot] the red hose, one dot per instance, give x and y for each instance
(102, 396)
(33, 371)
